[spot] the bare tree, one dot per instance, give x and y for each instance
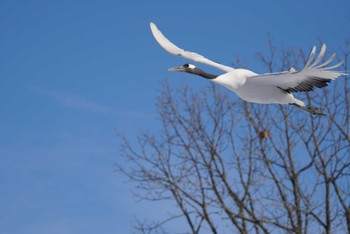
(236, 167)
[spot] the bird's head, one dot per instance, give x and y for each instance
(190, 68)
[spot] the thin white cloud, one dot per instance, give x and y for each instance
(80, 103)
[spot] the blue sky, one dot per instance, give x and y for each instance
(73, 73)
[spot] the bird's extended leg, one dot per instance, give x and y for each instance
(311, 109)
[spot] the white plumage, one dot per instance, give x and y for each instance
(264, 88)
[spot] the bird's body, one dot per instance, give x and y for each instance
(240, 78)
(250, 92)
(266, 88)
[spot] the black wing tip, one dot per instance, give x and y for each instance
(309, 84)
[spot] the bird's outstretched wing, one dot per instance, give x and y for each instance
(173, 49)
(314, 74)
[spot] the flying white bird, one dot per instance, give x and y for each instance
(261, 88)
